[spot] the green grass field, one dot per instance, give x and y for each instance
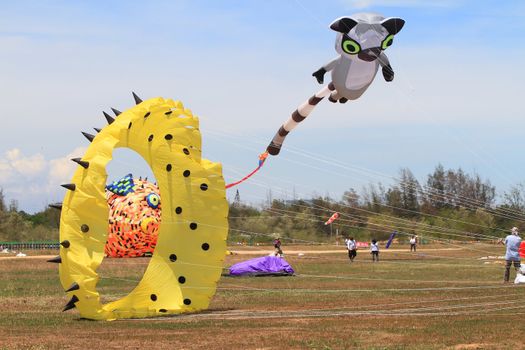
(434, 299)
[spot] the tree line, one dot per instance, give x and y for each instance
(18, 226)
(448, 205)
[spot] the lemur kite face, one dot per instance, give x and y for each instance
(364, 36)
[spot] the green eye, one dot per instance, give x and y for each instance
(350, 46)
(387, 42)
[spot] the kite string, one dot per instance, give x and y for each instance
(394, 207)
(394, 223)
(384, 230)
(262, 160)
(469, 203)
(493, 285)
(382, 204)
(401, 220)
(405, 222)
(488, 306)
(251, 232)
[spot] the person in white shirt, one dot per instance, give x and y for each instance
(413, 242)
(512, 255)
(374, 250)
(351, 245)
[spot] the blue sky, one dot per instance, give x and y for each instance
(243, 67)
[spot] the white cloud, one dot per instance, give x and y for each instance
(15, 163)
(6, 171)
(28, 166)
(33, 180)
(362, 4)
(12, 154)
(61, 169)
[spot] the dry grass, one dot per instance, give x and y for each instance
(398, 303)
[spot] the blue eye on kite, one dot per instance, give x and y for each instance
(153, 200)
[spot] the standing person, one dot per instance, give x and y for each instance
(413, 242)
(374, 250)
(512, 256)
(277, 246)
(351, 245)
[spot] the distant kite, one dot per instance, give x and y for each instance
(334, 217)
(361, 41)
(390, 239)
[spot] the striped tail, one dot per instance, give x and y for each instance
(298, 116)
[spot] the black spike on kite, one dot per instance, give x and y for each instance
(71, 303)
(56, 206)
(109, 118)
(81, 162)
(137, 99)
(70, 187)
(97, 130)
(65, 243)
(57, 260)
(88, 136)
(73, 287)
(116, 111)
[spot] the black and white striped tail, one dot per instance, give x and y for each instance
(298, 116)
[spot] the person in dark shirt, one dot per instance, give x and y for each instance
(277, 246)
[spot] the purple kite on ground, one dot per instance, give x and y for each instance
(264, 266)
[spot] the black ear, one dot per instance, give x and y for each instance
(343, 25)
(393, 25)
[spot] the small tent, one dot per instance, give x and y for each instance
(264, 266)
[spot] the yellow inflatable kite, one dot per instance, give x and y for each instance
(187, 263)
